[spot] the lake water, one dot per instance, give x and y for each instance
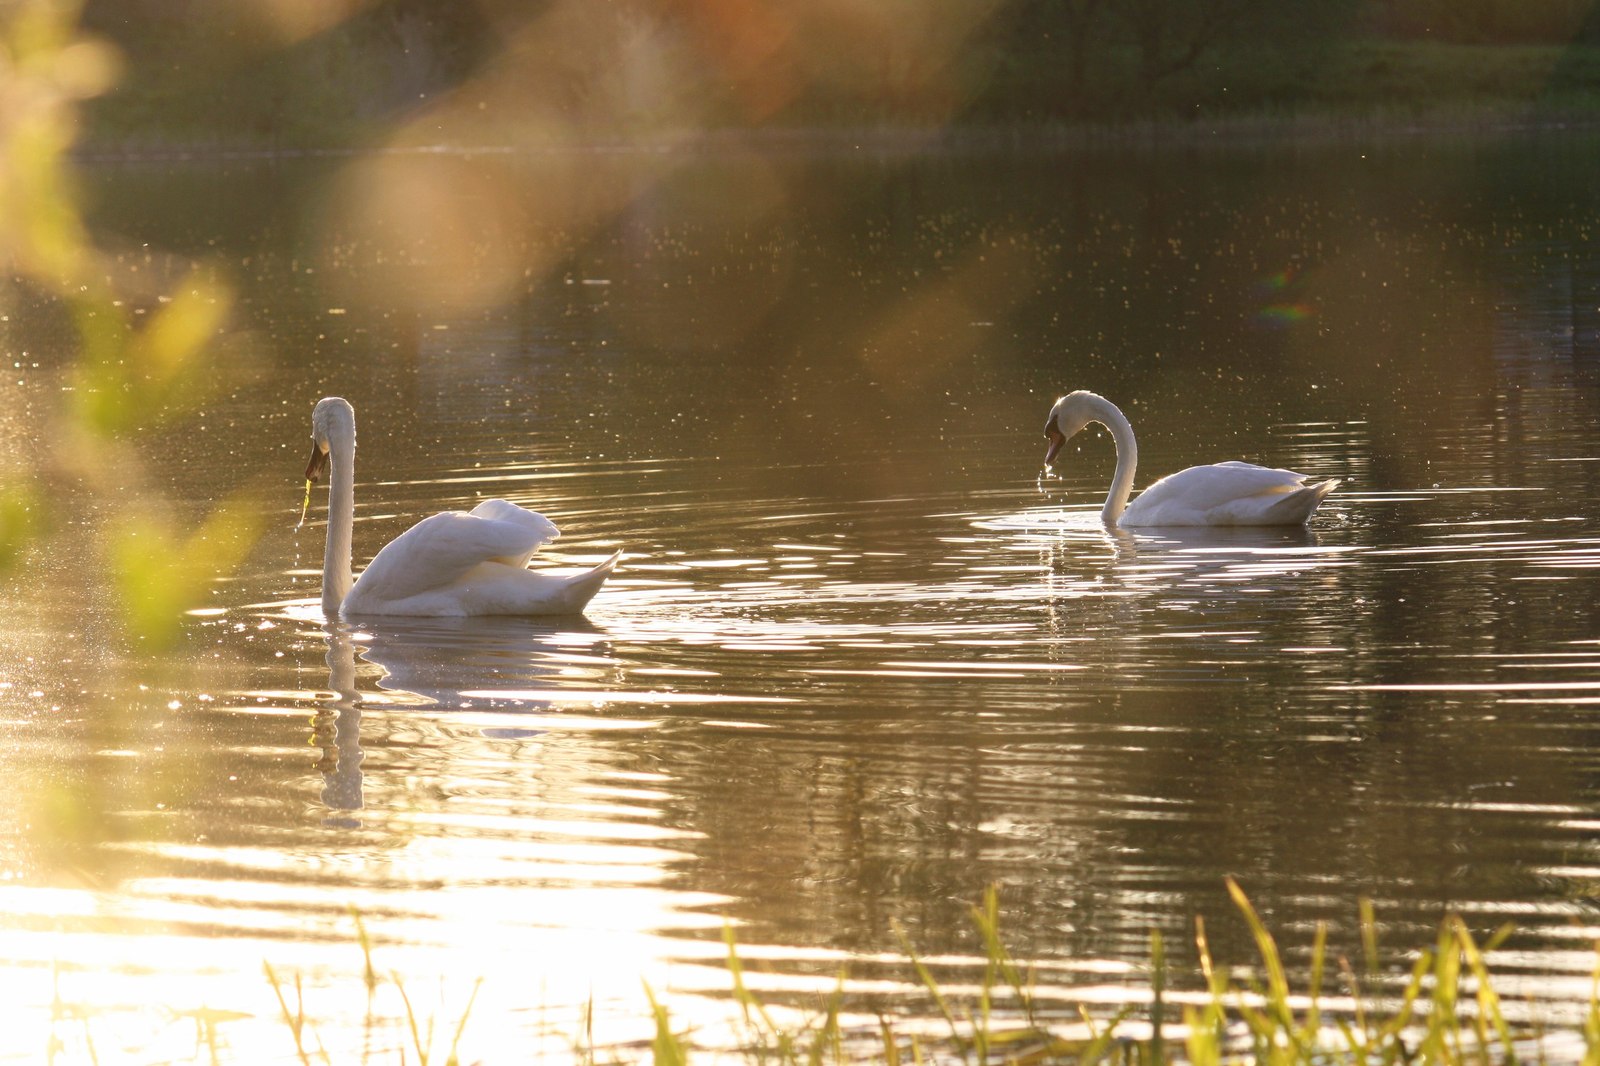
(860, 661)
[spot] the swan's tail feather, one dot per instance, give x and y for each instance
(580, 588)
(1295, 507)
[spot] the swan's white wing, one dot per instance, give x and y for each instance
(439, 551)
(1204, 487)
(1231, 493)
(538, 526)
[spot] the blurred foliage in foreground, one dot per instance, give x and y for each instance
(133, 364)
(281, 73)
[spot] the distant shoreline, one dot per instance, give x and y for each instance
(1221, 133)
(339, 97)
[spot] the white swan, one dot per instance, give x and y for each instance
(454, 563)
(1223, 494)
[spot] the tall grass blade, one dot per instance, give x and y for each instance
(411, 1022)
(296, 1020)
(1390, 1034)
(667, 1048)
(1101, 1039)
(1000, 960)
(928, 982)
(1203, 948)
(585, 1047)
(1369, 935)
(1277, 981)
(891, 1046)
(369, 973)
(1358, 1001)
(1203, 1046)
(461, 1026)
(748, 1002)
(1207, 1028)
(1489, 1011)
(369, 976)
(829, 1038)
(1442, 1037)
(1319, 961)
(1278, 1019)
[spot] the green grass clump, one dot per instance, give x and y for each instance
(1448, 1013)
(420, 1030)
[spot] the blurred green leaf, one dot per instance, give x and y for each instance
(179, 333)
(38, 218)
(160, 574)
(35, 28)
(130, 371)
(100, 403)
(21, 515)
(129, 377)
(45, 69)
(68, 820)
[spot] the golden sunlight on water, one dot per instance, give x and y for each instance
(487, 796)
(859, 662)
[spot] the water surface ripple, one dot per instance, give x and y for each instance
(860, 662)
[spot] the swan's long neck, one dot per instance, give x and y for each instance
(1121, 429)
(336, 579)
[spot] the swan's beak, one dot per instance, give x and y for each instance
(1057, 439)
(318, 463)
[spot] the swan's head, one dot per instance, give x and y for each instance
(1068, 417)
(333, 419)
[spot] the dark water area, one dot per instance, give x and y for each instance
(860, 661)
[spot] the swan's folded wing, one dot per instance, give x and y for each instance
(438, 551)
(540, 528)
(1200, 488)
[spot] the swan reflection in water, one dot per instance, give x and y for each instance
(1079, 529)
(336, 729)
(1191, 606)
(1222, 562)
(486, 663)
(1083, 557)
(1232, 541)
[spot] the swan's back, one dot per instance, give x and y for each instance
(421, 570)
(1227, 494)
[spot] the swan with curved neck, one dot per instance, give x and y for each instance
(451, 564)
(1221, 494)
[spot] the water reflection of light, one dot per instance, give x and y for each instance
(555, 952)
(556, 901)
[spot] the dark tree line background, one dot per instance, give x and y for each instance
(1083, 59)
(198, 68)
